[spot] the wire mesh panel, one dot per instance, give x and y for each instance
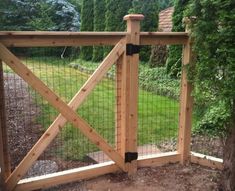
(158, 109)
(207, 138)
(29, 115)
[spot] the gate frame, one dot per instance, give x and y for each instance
(126, 104)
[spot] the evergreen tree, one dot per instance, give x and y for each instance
(77, 4)
(39, 15)
(116, 10)
(65, 15)
(87, 17)
(150, 10)
(175, 51)
(165, 4)
(213, 76)
(99, 25)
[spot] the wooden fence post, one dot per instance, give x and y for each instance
(129, 93)
(4, 152)
(186, 105)
(2, 168)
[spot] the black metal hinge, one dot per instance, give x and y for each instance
(132, 49)
(129, 156)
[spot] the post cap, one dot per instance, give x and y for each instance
(134, 17)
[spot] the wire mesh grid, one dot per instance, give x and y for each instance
(158, 112)
(207, 145)
(211, 144)
(29, 115)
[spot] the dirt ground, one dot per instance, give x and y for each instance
(172, 177)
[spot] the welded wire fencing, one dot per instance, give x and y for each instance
(29, 115)
(104, 97)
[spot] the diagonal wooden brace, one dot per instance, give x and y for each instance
(66, 110)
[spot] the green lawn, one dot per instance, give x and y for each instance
(158, 115)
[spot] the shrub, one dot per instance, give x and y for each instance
(175, 51)
(158, 81)
(212, 121)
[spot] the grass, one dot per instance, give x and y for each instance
(158, 115)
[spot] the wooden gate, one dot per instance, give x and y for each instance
(125, 56)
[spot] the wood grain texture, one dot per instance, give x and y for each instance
(186, 105)
(67, 176)
(56, 39)
(5, 155)
(208, 161)
(118, 104)
(158, 159)
(58, 104)
(129, 93)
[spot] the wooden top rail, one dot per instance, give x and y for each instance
(163, 38)
(47, 38)
(42, 39)
(59, 33)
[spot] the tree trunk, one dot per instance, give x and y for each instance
(229, 158)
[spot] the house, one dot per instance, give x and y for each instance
(165, 20)
(159, 53)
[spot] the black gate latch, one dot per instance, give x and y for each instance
(129, 156)
(132, 49)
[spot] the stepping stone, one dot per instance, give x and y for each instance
(100, 156)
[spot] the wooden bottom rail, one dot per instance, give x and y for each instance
(67, 176)
(92, 171)
(206, 160)
(158, 159)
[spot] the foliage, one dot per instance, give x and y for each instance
(77, 4)
(99, 25)
(158, 81)
(39, 15)
(212, 120)
(158, 56)
(165, 4)
(155, 80)
(42, 18)
(213, 32)
(64, 15)
(87, 17)
(175, 51)
(115, 11)
(15, 17)
(150, 11)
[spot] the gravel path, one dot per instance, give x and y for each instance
(23, 131)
